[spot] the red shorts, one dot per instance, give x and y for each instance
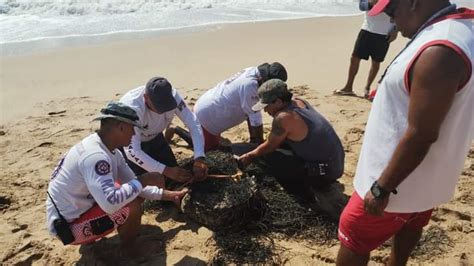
(362, 233)
(211, 142)
(81, 227)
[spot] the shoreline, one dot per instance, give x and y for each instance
(314, 54)
(55, 43)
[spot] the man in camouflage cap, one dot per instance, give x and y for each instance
(302, 150)
(92, 190)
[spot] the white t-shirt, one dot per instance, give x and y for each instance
(433, 182)
(154, 124)
(230, 103)
(379, 24)
(86, 176)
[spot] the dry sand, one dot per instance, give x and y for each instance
(48, 99)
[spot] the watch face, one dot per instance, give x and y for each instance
(376, 191)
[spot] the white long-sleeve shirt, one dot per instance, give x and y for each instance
(154, 124)
(230, 103)
(87, 175)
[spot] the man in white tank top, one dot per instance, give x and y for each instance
(419, 131)
(373, 41)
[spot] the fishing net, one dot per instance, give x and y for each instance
(250, 214)
(223, 203)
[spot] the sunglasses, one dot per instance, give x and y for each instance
(390, 8)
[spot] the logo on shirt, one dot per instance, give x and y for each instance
(102, 167)
(343, 236)
(234, 77)
(181, 106)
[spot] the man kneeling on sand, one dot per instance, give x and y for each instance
(230, 103)
(93, 191)
(303, 151)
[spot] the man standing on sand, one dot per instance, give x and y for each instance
(85, 201)
(313, 157)
(156, 105)
(419, 131)
(373, 41)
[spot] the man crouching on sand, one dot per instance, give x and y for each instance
(93, 191)
(314, 156)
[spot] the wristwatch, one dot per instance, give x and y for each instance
(380, 192)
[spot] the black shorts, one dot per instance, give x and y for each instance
(297, 176)
(157, 149)
(371, 44)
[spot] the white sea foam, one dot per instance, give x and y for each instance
(31, 20)
(44, 23)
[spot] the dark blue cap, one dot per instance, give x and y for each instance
(160, 92)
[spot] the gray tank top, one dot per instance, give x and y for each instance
(321, 144)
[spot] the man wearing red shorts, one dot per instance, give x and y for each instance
(418, 134)
(93, 191)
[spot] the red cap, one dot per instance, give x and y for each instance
(379, 7)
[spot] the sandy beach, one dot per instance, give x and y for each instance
(49, 98)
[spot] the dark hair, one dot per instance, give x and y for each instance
(274, 70)
(287, 98)
(107, 122)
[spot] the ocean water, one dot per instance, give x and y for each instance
(28, 25)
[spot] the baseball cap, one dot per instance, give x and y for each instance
(269, 92)
(378, 7)
(274, 70)
(119, 111)
(160, 92)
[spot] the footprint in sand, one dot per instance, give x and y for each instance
(300, 90)
(444, 214)
(349, 114)
(26, 254)
(433, 243)
(353, 135)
